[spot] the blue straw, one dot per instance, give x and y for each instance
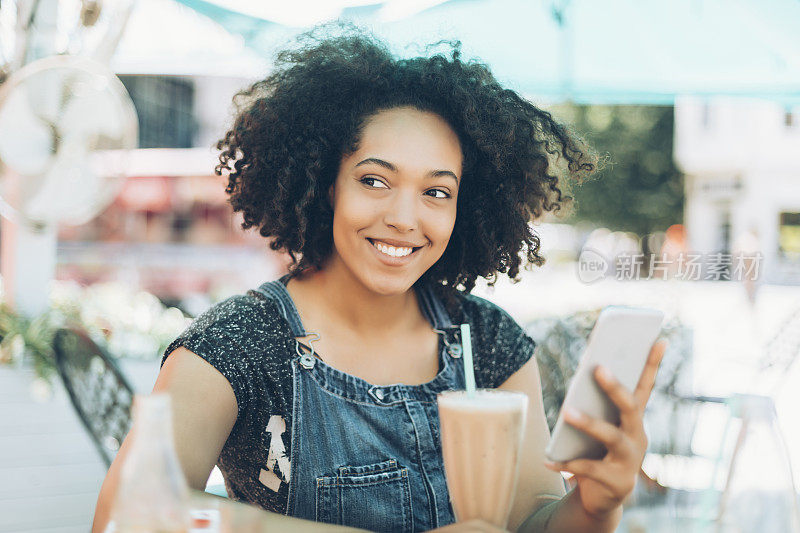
(469, 369)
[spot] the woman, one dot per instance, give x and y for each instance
(393, 184)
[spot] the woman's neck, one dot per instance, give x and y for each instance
(342, 298)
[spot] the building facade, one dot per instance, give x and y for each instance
(741, 159)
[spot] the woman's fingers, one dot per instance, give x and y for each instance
(631, 405)
(605, 483)
(648, 377)
(591, 468)
(585, 468)
(622, 398)
(597, 471)
(610, 435)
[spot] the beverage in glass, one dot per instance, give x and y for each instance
(481, 439)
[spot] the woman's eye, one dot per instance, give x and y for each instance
(438, 191)
(371, 182)
(375, 183)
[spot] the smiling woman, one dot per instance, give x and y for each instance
(393, 184)
(297, 129)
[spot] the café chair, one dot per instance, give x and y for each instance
(781, 353)
(100, 393)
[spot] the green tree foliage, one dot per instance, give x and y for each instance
(638, 187)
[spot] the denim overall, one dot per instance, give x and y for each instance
(363, 455)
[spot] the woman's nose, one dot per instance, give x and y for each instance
(401, 213)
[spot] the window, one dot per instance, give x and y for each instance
(165, 106)
(789, 235)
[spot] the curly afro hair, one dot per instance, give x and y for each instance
(292, 129)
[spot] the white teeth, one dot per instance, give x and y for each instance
(392, 250)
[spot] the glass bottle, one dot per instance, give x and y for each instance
(153, 495)
(759, 494)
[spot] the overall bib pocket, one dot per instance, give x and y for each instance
(376, 497)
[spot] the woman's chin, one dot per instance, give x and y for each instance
(388, 285)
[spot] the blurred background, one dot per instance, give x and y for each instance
(115, 224)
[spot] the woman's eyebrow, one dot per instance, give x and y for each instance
(389, 166)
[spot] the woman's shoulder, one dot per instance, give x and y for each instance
(485, 316)
(238, 327)
(240, 316)
(242, 337)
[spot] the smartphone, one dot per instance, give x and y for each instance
(620, 341)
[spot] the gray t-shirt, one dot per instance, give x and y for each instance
(248, 341)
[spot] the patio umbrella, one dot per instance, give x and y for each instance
(188, 43)
(614, 51)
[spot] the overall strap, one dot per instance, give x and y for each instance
(276, 291)
(434, 308)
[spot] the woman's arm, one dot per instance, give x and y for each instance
(204, 412)
(201, 427)
(537, 486)
(596, 503)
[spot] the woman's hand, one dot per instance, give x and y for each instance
(603, 484)
(471, 526)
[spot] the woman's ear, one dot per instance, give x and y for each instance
(331, 191)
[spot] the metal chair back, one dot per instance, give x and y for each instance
(780, 354)
(100, 393)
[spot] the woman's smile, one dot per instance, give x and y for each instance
(393, 255)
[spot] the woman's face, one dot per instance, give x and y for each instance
(394, 199)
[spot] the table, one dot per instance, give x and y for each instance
(212, 514)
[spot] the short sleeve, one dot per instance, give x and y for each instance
(509, 363)
(500, 345)
(245, 339)
(236, 337)
(222, 352)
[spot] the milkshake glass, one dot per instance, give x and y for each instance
(481, 440)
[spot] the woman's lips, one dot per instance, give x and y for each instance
(391, 260)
